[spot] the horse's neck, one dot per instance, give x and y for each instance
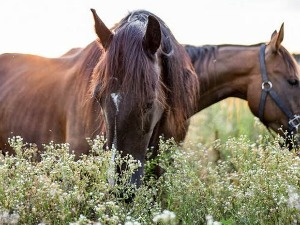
(81, 63)
(225, 71)
(85, 58)
(84, 61)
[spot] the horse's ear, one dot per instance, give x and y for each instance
(104, 34)
(276, 39)
(274, 33)
(152, 38)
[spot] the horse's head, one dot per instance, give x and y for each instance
(144, 80)
(127, 83)
(275, 98)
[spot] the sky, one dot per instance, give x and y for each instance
(52, 27)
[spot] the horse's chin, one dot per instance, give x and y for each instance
(292, 141)
(277, 128)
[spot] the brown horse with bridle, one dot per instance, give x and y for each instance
(266, 75)
(128, 86)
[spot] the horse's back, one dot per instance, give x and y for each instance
(30, 99)
(48, 99)
(72, 52)
(30, 66)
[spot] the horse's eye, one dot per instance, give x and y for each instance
(148, 106)
(293, 82)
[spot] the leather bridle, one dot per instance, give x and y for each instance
(267, 88)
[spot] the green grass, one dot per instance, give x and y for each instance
(228, 118)
(227, 172)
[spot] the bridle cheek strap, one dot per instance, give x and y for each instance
(267, 88)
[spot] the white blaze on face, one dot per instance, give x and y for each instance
(116, 97)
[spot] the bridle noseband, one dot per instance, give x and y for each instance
(267, 88)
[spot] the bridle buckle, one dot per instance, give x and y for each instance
(295, 122)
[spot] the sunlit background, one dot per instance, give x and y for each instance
(51, 27)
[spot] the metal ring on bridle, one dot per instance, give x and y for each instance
(295, 122)
(266, 85)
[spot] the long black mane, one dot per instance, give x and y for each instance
(177, 73)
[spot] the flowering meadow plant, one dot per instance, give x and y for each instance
(248, 183)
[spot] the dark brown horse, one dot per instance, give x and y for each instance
(127, 85)
(138, 82)
(267, 76)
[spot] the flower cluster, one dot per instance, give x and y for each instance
(166, 217)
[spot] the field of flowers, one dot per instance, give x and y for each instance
(229, 171)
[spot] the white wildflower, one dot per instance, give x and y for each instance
(14, 218)
(166, 217)
(74, 223)
(82, 217)
(209, 220)
(293, 198)
(6, 218)
(132, 223)
(53, 191)
(217, 223)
